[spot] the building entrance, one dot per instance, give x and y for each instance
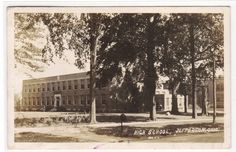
(57, 99)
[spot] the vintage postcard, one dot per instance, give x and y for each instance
(118, 77)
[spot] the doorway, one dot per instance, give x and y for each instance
(57, 99)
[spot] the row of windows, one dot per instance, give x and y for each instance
(57, 86)
(65, 100)
(60, 85)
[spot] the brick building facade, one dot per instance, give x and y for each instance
(71, 93)
(64, 92)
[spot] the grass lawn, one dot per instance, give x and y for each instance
(199, 133)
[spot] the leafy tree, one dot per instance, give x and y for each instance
(26, 50)
(187, 53)
(205, 33)
(82, 37)
(130, 48)
(72, 32)
(173, 60)
(133, 43)
(128, 93)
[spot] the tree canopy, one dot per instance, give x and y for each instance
(127, 50)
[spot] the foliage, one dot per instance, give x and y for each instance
(129, 51)
(26, 50)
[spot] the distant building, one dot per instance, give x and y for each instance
(64, 92)
(71, 93)
(219, 92)
(163, 99)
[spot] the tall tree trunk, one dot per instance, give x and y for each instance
(150, 72)
(93, 53)
(214, 92)
(153, 109)
(185, 103)
(204, 100)
(175, 109)
(150, 87)
(193, 74)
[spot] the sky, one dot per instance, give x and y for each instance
(59, 67)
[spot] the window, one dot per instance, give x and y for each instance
(38, 101)
(33, 87)
(34, 101)
(88, 99)
(63, 100)
(43, 87)
(76, 99)
(75, 84)
(29, 99)
(52, 99)
(82, 100)
(69, 85)
(38, 86)
(58, 86)
(82, 84)
(88, 83)
(43, 101)
(48, 101)
(64, 85)
(48, 86)
(69, 100)
(29, 88)
(53, 86)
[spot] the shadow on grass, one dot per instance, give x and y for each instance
(137, 132)
(200, 114)
(116, 118)
(41, 137)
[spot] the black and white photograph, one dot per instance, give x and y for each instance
(99, 77)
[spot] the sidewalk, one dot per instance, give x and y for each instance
(161, 122)
(87, 132)
(70, 129)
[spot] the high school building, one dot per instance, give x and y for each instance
(64, 92)
(71, 93)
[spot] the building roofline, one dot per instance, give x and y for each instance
(79, 73)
